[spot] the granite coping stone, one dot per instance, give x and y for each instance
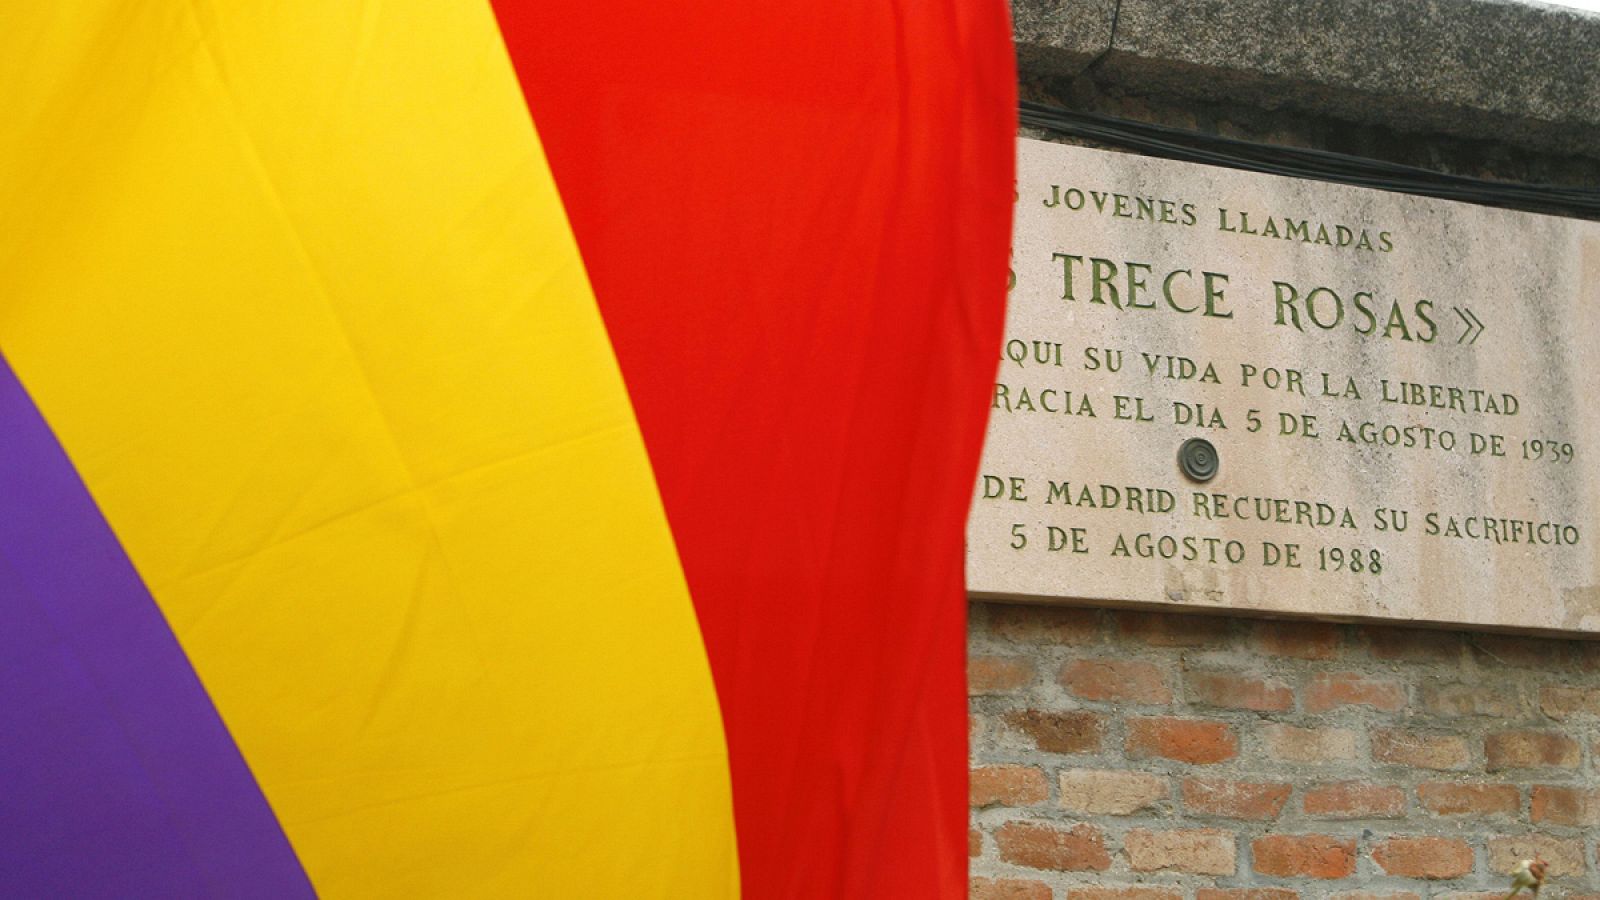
(1061, 38)
(1510, 71)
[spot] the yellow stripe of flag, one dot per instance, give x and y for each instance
(293, 285)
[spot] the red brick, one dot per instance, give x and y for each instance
(1521, 652)
(1368, 895)
(1007, 786)
(1412, 644)
(1304, 855)
(998, 674)
(1126, 892)
(1355, 800)
(1008, 889)
(1460, 699)
(1203, 851)
(1234, 799)
(1473, 895)
(1038, 846)
(974, 842)
(1424, 857)
(1077, 731)
(1112, 679)
(1246, 894)
(1043, 624)
(1236, 691)
(1290, 743)
(1301, 640)
(1562, 702)
(1586, 655)
(1564, 855)
(1330, 690)
(1419, 750)
(1530, 750)
(1555, 805)
(1452, 799)
(1197, 741)
(1103, 792)
(1166, 630)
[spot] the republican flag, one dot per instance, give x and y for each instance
(518, 449)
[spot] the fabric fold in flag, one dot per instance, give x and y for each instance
(294, 290)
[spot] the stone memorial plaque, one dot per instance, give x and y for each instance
(1228, 390)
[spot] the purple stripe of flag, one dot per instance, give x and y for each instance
(117, 777)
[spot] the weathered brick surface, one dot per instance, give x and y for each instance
(1354, 800)
(1236, 691)
(1332, 690)
(1059, 732)
(1041, 625)
(1205, 851)
(1560, 805)
(1430, 858)
(1560, 701)
(1130, 681)
(990, 674)
(1234, 799)
(1196, 741)
(1530, 750)
(1566, 856)
(1420, 750)
(1319, 856)
(1040, 846)
(1412, 644)
(1166, 630)
(1138, 756)
(1008, 786)
(1131, 892)
(1008, 889)
(1301, 640)
(1521, 652)
(1292, 743)
(1454, 799)
(1456, 698)
(1108, 792)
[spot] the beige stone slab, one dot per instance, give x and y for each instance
(1444, 360)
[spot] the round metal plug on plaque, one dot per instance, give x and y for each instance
(1198, 460)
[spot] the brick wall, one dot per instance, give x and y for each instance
(1138, 756)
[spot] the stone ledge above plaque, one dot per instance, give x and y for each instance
(1517, 72)
(1228, 391)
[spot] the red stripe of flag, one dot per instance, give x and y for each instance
(796, 218)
